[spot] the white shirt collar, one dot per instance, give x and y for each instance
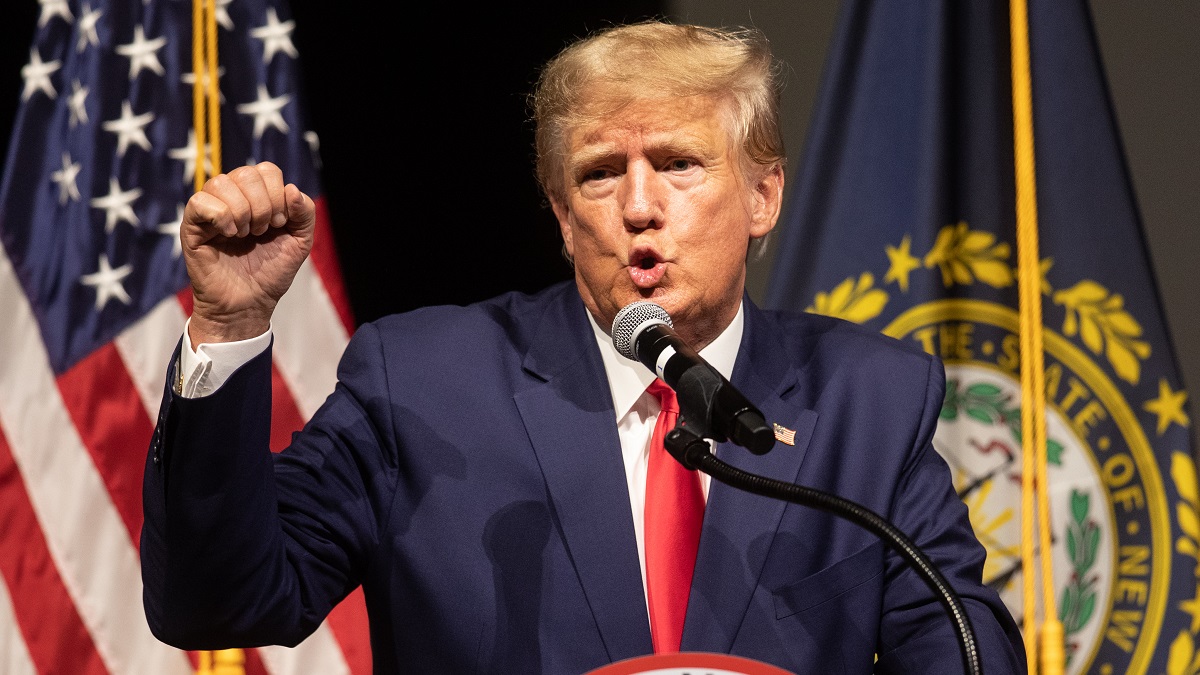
(627, 380)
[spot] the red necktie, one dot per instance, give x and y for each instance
(674, 513)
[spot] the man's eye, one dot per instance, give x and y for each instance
(680, 165)
(595, 174)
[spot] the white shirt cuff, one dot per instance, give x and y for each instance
(203, 370)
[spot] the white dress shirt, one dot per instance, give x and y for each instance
(637, 411)
(207, 367)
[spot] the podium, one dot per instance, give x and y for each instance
(689, 663)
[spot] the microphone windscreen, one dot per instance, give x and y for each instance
(631, 321)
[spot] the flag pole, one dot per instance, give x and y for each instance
(1034, 479)
(206, 125)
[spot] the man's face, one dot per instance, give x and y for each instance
(655, 207)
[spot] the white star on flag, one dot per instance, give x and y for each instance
(53, 8)
(276, 36)
(118, 205)
(130, 128)
(187, 155)
(171, 229)
(266, 111)
(87, 28)
(142, 53)
(314, 146)
(65, 177)
(37, 76)
(190, 80)
(222, 14)
(77, 103)
(107, 282)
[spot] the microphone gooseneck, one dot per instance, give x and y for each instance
(694, 453)
(642, 331)
(710, 407)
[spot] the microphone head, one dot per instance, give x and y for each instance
(631, 321)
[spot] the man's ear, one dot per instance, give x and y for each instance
(767, 202)
(562, 213)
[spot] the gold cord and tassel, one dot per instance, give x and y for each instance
(206, 94)
(1045, 640)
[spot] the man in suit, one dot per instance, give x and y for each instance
(482, 471)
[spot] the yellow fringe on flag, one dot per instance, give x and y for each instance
(1048, 642)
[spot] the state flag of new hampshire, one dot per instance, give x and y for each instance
(904, 220)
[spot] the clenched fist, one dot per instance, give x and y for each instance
(244, 237)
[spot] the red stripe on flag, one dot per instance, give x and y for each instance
(186, 300)
(112, 423)
(349, 624)
(254, 663)
(324, 257)
(54, 633)
(285, 416)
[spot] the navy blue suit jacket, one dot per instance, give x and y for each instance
(467, 472)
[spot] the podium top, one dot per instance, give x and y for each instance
(689, 663)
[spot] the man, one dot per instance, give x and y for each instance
(483, 471)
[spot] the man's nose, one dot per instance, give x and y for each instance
(642, 202)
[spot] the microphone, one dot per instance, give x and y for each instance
(642, 331)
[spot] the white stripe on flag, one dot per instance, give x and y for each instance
(14, 657)
(309, 340)
(146, 347)
(319, 653)
(86, 536)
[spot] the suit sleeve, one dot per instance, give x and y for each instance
(241, 547)
(916, 632)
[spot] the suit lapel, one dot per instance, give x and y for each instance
(570, 421)
(738, 526)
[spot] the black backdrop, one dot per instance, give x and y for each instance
(425, 139)
(427, 149)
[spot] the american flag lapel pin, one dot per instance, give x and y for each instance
(784, 435)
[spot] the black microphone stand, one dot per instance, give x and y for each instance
(694, 452)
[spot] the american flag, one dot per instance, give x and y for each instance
(93, 299)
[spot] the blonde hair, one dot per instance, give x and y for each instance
(652, 59)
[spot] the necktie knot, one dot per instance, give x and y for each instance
(665, 395)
